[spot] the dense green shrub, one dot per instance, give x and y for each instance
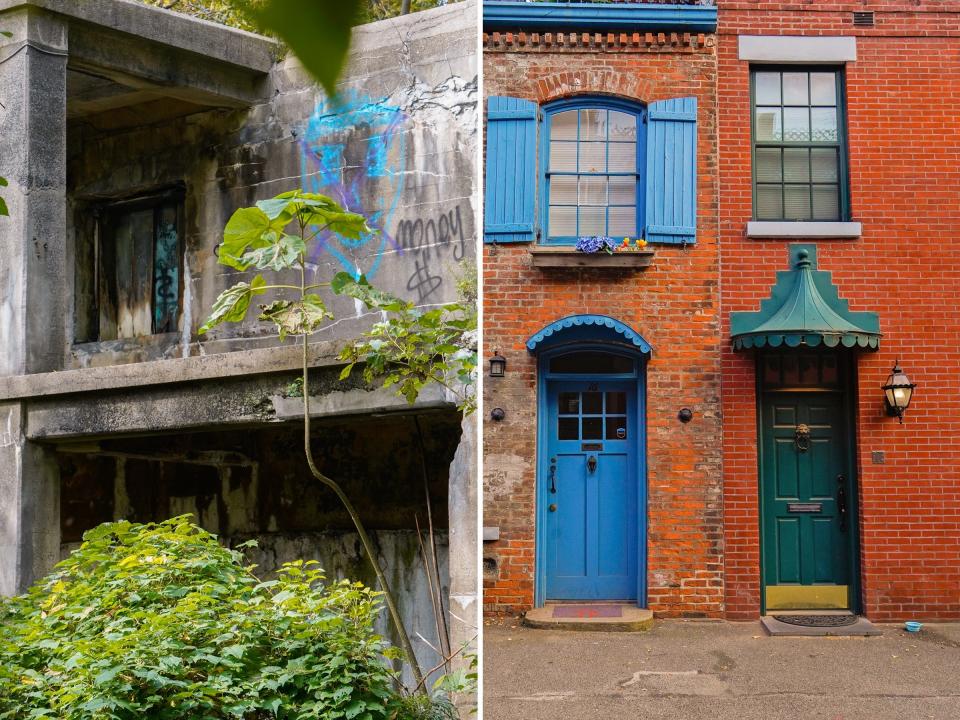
(160, 621)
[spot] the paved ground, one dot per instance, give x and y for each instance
(692, 670)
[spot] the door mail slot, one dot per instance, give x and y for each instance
(804, 507)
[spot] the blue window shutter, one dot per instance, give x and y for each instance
(511, 174)
(672, 171)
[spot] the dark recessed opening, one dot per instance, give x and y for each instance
(863, 19)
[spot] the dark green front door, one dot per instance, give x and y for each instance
(806, 501)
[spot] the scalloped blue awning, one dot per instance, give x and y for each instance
(587, 329)
(804, 309)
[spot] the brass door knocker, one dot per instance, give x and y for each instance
(802, 438)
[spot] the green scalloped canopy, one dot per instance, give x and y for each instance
(804, 309)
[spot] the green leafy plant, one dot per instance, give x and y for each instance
(413, 347)
(410, 348)
(257, 237)
(160, 621)
(225, 12)
(318, 33)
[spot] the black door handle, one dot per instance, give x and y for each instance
(553, 476)
(842, 501)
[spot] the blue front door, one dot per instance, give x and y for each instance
(590, 491)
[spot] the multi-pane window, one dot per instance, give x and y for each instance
(592, 172)
(798, 153)
(592, 416)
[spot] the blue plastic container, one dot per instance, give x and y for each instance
(912, 626)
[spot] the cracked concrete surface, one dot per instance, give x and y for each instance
(716, 670)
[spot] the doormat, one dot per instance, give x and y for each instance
(817, 620)
(586, 612)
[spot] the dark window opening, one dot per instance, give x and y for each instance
(601, 363)
(130, 269)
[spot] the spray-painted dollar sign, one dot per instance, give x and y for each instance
(352, 149)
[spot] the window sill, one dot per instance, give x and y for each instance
(571, 258)
(794, 229)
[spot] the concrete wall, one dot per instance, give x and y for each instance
(399, 146)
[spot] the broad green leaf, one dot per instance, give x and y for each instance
(350, 225)
(318, 33)
(344, 283)
(342, 279)
(275, 207)
(296, 317)
(247, 227)
(279, 255)
(3, 207)
(233, 303)
(3, 182)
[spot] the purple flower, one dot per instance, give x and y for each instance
(595, 243)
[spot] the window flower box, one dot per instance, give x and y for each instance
(594, 252)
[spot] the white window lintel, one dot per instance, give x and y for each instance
(804, 50)
(800, 229)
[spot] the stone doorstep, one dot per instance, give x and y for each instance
(861, 628)
(632, 619)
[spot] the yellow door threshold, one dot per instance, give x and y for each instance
(807, 597)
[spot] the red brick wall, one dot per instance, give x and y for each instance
(673, 304)
(904, 133)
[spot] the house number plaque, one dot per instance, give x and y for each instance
(804, 507)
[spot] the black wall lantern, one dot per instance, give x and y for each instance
(897, 392)
(498, 364)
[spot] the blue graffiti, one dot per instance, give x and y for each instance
(349, 145)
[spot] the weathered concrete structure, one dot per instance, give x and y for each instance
(129, 136)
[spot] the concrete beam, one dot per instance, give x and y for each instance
(237, 401)
(166, 372)
(33, 142)
(174, 30)
(162, 68)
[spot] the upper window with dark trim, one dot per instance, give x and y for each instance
(799, 144)
(593, 179)
(129, 273)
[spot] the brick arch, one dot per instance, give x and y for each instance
(567, 84)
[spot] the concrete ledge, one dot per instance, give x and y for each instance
(164, 372)
(212, 40)
(633, 619)
(792, 229)
(797, 49)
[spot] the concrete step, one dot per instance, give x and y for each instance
(861, 628)
(602, 617)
